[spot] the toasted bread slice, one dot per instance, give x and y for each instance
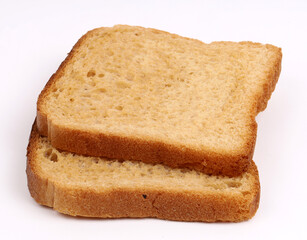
(141, 94)
(95, 187)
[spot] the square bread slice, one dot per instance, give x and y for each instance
(135, 93)
(96, 187)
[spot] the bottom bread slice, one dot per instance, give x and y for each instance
(97, 187)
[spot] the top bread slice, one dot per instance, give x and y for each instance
(142, 94)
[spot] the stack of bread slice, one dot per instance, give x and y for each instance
(138, 122)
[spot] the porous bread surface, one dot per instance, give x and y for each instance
(97, 187)
(138, 86)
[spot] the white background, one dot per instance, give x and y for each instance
(35, 37)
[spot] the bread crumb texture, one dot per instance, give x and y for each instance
(149, 84)
(101, 173)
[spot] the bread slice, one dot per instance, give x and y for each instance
(96, 187)
(141, 94)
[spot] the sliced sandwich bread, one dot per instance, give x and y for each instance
(95, 187)
(142, 94)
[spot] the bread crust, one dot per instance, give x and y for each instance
(130, 148)
(138, 202)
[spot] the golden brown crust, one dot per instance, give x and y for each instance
(37, 184)
(138, 203)
(93, 144)
(272, 77)
(129, 148)
(55, 76)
